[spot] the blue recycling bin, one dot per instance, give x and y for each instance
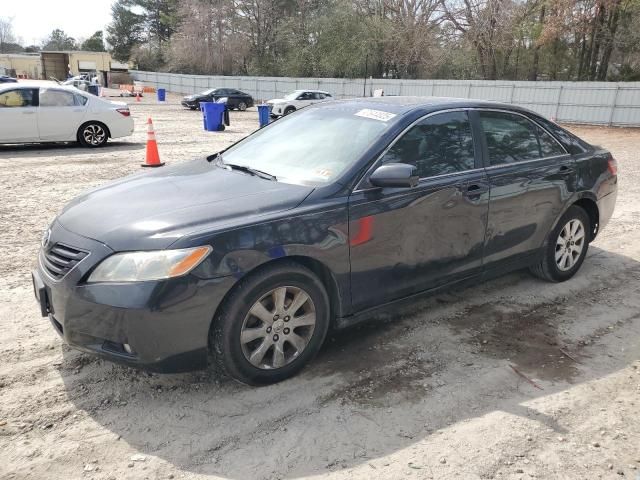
(213, 116)
(162, 94)
(263, 115)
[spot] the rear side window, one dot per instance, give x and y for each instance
(438, 145)
(548, 146)
(512, 138)
(81, 100)
(20, 97)
(572, 143)
(56, 98)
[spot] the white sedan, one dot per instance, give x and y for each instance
(48, 112)
(297, 100)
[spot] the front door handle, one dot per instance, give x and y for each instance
(476, 189)
(565, 170)
(28, 113)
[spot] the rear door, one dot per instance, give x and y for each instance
(406, 240)
(18, 121)
(60, 114)
(304, 99)
(531, 178)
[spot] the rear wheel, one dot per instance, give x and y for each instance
(93, 134)
(242, 106)
(566, 247)
(273, 323)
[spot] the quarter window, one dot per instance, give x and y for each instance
(21, 97)
(512, 138)
(438, 145)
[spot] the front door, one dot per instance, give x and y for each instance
(406, 240)
(531, 178)
(18, 115)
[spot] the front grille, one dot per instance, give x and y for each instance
(60, 259)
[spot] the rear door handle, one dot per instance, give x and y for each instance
(565, 170)
(28, 113)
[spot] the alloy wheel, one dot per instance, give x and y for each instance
(570, 244)
(278, 327)
(94, 134)
(242, 106)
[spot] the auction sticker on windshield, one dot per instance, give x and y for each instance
(375, 114)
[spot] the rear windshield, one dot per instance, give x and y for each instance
(312, 146)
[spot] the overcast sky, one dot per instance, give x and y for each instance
(33, 20)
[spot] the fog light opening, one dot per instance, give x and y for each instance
(119, 348)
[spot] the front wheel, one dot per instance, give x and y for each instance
(289, 110)
(242, 106)
(566, 247)
(273, 323)
(93, 135)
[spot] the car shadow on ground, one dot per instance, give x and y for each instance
(383, 386)
(65, 149)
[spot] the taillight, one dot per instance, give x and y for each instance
(612, 165)
(123, 111)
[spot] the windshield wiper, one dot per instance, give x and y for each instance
(249, 170)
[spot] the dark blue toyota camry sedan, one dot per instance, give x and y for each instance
(246, 258)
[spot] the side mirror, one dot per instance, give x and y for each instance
(395, 175)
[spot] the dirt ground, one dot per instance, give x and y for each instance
(427, 393)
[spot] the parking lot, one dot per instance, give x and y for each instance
(514, 378)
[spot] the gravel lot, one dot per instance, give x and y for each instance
(427, 393)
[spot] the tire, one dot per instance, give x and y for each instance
(289, 110)
(242, 106)
(561, 258)
(263, 350)
(93, 135)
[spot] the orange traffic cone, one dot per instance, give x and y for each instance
(153, 158)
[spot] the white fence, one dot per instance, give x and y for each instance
(600, 103)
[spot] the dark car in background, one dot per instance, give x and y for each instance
(246, 258)
(235, 98)
(6, 79)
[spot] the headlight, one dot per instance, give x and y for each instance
(154, 265)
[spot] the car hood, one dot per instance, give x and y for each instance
(276, 101)
(151, 210)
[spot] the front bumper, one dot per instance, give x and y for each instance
(160, 326)
(190, 104)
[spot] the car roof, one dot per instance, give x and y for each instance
(301, 90)
(39, 84)
(402, 104)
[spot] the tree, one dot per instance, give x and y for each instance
(58, 40)
(95, 43)
(125, 30)
(7, 37)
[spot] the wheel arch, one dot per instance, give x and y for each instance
(589, 205)
(318, 268)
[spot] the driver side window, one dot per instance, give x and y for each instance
(438, 145)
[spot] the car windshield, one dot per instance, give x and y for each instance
(311, 147)
(292, 96)
(208, 92)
